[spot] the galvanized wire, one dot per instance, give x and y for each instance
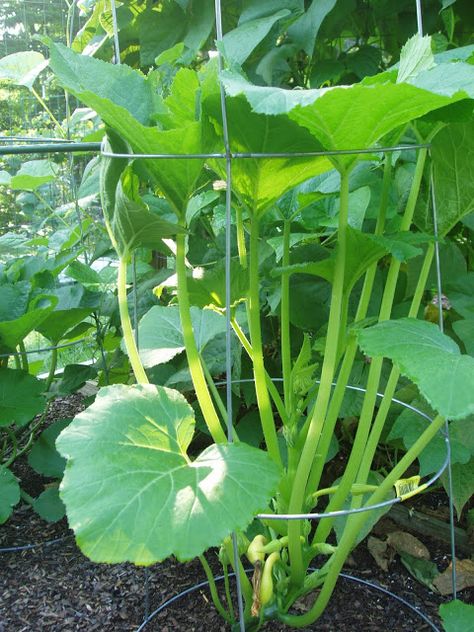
(344, 576)
(449, 468)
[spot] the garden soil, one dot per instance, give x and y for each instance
(52, 587)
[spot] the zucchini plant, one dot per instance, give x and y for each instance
(344, 218)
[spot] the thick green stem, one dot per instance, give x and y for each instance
(241, 248)
(52, 369)
(194, 361)
(392, 382)
(318, 416)
(128, 337)
(366, 416)
(356, 522)
(285, 321)
(263, 399)
(272, 389)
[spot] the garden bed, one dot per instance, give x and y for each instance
(54, 587)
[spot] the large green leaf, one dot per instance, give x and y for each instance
(21, 397)
(453, 175)
(429, 358)
(161, 337)
(107, 89)
(9, 493)
(22, 68)
(131, 491)
(457, 616)
(465, 330)
(357, 116)
(259, 182)
(104, 86)
(409, 426)
(72, 307)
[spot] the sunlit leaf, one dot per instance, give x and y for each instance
(132, 492)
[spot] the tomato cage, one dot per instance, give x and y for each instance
(404, 488)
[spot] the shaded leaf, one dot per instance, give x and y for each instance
(43, 456)
(239, 43)
(9, 493)
(304, 30)
(21, 397)
(422, 570)
(49, 506)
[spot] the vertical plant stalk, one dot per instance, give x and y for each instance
(127, 330)
(375, 370)
(355, 524)
(285, 320)
(263, 398)
(52, 369)
(241, 248)
(318, 415)
(24, 356)
(194, 361)
(351, 350)
(392, 382)
(272, 389)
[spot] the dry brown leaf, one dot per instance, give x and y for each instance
(464, 577)
(404, 542)
(380, 552)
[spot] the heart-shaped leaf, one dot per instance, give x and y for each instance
(131, 491)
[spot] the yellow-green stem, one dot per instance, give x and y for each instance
(128, 337)
(318, 416)
(263, 399)
(194, 361)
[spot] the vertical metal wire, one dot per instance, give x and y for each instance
(228, 350)
(135, 296)
(419, 17)
(419, 20)
(449, 469)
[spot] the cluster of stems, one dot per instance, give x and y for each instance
(308, 449)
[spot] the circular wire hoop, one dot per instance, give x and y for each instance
(381, 505)
(351, 578)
